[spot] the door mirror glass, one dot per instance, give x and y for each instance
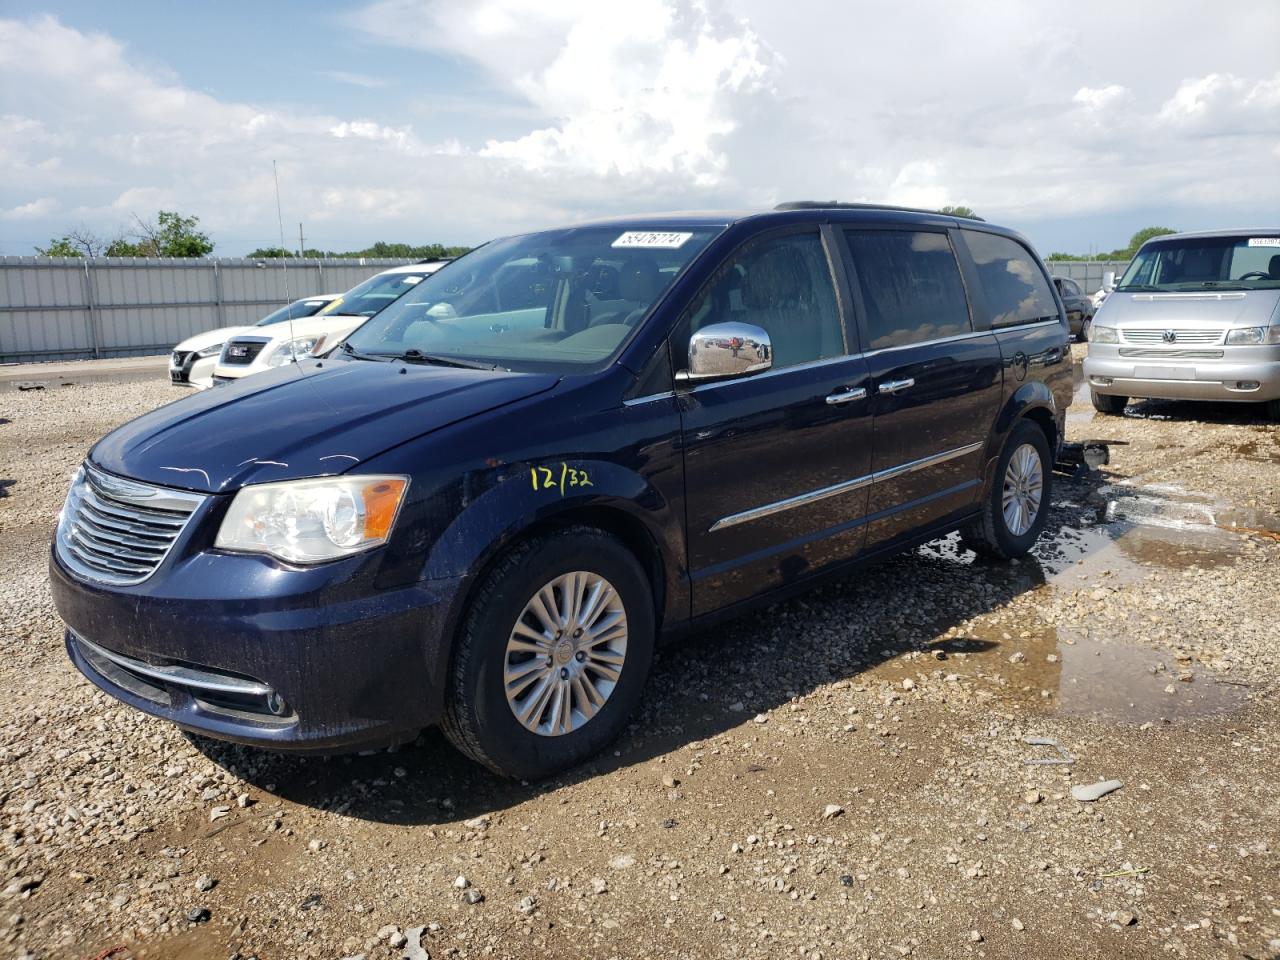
(728, 350)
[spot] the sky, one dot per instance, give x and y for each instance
(428, 121)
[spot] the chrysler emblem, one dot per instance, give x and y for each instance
(1170, 336)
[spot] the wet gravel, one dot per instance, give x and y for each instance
(841, 775)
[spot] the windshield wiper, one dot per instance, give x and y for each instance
(351, 351)
(417, 356)
(1139, 286)
(1226, 285)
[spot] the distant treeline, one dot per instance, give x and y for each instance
(381, 249)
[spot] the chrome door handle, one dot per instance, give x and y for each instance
(895, 386)
(846, 396)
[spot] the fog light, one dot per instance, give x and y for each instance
(1101, 381)
(1247, 384)
(276, 704)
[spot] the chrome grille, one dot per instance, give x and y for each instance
(117, 531)
(1179, 336)
(1171, 354)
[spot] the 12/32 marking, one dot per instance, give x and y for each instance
(547, 478)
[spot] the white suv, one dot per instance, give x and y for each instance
(253, 352)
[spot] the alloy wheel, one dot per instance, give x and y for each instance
(1023, 489)
(565, 653)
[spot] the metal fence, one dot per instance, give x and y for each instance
(69, 308)
(1088, 273)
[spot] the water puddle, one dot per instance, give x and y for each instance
(1115, 536)
(1070, 674)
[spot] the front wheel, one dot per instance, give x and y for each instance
(1016, 507)
(553, 654)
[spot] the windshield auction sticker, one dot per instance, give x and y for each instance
(645, 238)
(1253, 242)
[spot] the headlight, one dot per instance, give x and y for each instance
(290, 350)
(1254, 335)
(1099, 334)
(209, 351)
(311, 521)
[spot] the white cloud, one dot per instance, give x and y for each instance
(35, 210)
(1100, 98)
(597, 107)
(355, 79)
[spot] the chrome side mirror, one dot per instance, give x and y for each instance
(727, 350)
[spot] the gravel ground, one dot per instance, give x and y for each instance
(841, 775)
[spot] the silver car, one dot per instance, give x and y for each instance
(1196, 316)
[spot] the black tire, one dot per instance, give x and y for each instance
(1108, 404)
(478, 719)
(989, 535)
(1273, 410)
(1084, 329)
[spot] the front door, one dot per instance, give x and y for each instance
(776, 464)
(936, 383)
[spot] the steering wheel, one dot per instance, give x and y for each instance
(1256, 275)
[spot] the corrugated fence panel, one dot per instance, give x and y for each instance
(67, 308)
(1089, 273)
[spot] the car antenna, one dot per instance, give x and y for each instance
(284, 259)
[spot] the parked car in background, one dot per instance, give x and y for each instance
(1078, 306)
(471, 519)
(193, 360)
(1196, 316)
(254, 351)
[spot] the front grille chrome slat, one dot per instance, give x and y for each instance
(118, 531)
(1149, 352)
(1180, 336)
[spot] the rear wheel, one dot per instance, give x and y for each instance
(1108, 404)
(1016, 507)
(1084, 329)
(552, 656)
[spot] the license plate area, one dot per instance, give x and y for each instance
(1151, 372)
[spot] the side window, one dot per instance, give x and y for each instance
(783, 285)
(1070, 288)
(911, 286)
(1014, 285)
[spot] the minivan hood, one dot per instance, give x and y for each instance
(1224, 308)
(302, 420)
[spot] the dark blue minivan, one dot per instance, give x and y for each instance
(489, 504)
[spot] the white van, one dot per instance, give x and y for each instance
(1196, 316)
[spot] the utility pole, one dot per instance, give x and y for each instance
(302, 246)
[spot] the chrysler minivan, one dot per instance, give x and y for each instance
(1196, 316)
(488, 505)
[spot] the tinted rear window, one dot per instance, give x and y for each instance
(911, 286)
(1012, 281)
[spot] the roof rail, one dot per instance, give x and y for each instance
(841, 205)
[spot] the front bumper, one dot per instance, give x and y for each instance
(326, 667)
(1184, 379)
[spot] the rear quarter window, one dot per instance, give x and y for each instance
(1012, 282)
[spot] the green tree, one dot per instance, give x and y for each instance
(1137, 240)
(960, 211)
(269, 253)
(172, 235)
(59, 247)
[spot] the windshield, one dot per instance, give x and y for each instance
(294, 311)
(1206, 263)
(366, 299)
(543, 301)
